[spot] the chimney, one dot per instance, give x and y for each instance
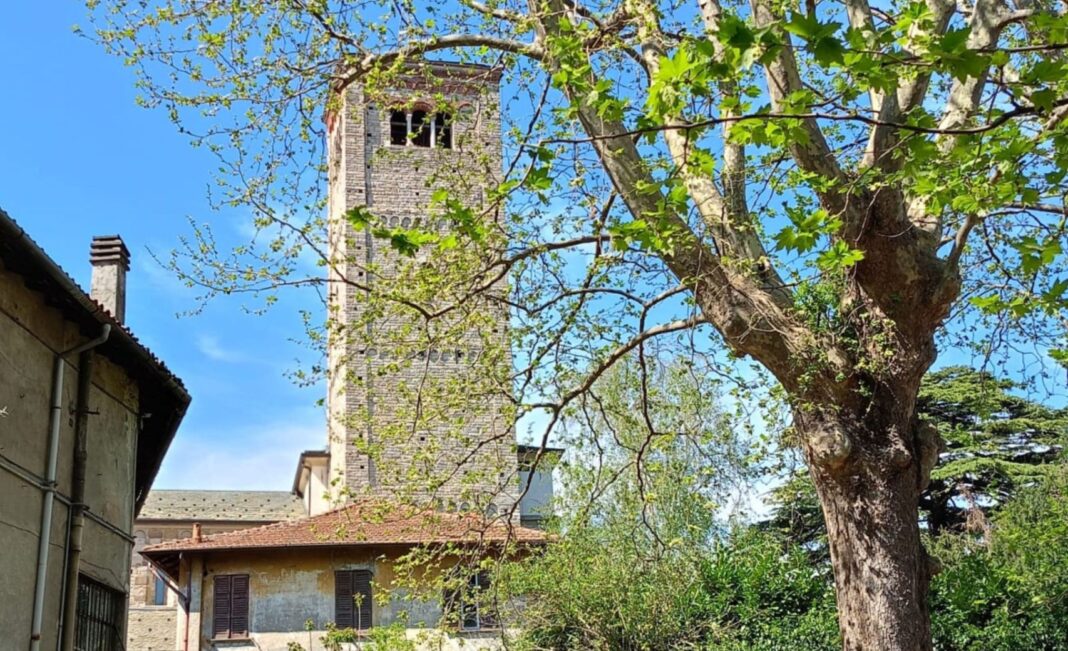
(111, 260)
(196, 532)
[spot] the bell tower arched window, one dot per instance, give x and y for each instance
(398, 128)
(420, 128)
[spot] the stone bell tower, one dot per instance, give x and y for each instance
(435, 126)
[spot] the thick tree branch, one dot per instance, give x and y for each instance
(987, 21)
(734, 166)
(357, 66)
(814, 156)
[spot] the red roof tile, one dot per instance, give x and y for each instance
(364, 523)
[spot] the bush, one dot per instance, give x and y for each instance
(766, 595)
(751, 591)
(1010, 592)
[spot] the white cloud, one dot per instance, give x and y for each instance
(257, 456)
(212, 348)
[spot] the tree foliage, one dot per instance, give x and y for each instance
(997, 443)
(644, 555)
(1011, 592)
(817, 188)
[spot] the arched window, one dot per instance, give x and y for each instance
(398, 128)
(420, 128)
(443, 130)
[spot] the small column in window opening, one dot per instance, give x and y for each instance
(420, 128)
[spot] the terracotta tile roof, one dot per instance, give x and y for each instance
(227, 506)
(361, 524)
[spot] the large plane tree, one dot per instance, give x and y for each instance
(825, 189)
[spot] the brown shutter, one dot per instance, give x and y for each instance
(220, 619)
(361, 585)
(348, 585)
(343, 605)
(239, 606)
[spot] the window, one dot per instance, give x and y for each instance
(420, 129)
(159, 596)
(230, 607)
(398, 128)
(352, 599)
(443, 131)
(471, 608)
(99, 617)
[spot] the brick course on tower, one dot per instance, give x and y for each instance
(372, 386)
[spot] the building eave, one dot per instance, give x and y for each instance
(163, 398)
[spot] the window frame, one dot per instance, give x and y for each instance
(159, 589)
(459, 600)
(97, 604)
(434, 130)
(395, 123)
(355, 618)
(231, 632)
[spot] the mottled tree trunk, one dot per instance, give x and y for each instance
(881, 570)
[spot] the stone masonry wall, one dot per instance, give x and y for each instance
(151, 628)
(367, 384)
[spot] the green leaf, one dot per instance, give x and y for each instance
(839, 257)
(360, 217)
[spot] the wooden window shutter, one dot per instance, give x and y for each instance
(239, 605)
(230, 606)
(220, 618)
(361, 587)
(351, 586)
(343, 604)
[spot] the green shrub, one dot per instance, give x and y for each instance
(1010, 592)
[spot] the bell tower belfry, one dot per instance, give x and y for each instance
(434, 126)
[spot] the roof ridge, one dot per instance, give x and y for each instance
(410, 525)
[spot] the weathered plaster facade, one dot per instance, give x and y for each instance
(35, 325)
(170, 515)
(291, 570)
(287, 588)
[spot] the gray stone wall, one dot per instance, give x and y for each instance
(374, 389)
(151, 628)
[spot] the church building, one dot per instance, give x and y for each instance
(332, 559)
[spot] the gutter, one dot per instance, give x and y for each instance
(54, 419)
(78, 506)
(15, 241)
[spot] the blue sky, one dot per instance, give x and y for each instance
(78, 158)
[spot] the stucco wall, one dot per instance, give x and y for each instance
(287, 588)
(149, 625)
(535, 504)
(30, 335)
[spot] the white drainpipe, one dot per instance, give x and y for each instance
(54, 420)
